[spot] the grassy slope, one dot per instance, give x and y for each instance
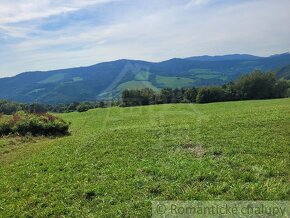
(174, 82)
(53, 79)
(136, 85)
(119, 159)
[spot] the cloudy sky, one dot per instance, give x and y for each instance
(53, 34)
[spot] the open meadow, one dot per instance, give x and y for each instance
(117, 160)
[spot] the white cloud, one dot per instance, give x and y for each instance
(257, 27)
(197, 2)
(12, 11)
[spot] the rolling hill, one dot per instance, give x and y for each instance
(106, 80)
(117, 160)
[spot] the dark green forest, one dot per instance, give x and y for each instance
(256, 85)
(106, 81)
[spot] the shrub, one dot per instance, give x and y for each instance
(82, 107)
(9, 108)
(257, 85)
(190, 95)
(210, 94)
(23, 123)
(281, 88)
(5, 127)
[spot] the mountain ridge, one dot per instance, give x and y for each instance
(197, 58)
(106, 80)
(225, 57)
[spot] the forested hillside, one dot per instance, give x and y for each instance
(284, 72)
(107, 80)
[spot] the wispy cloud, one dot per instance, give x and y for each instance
(12, 11)
(67, 33)
(197, 2)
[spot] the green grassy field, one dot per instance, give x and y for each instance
(136, 85)
(174, 82)
(53, 79)
(207, 74)
(117, 160)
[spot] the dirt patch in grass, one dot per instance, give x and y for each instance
(15, 147)
(196, 150)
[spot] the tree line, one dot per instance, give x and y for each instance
(256, 85)
(10, 107)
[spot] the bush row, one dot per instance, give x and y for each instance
(9, 107)
(22, 123)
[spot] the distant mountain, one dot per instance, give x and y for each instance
(230, 57)
(107, 80)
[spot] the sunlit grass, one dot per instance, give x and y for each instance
(119, 159)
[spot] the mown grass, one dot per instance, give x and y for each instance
(134, 84)
(119, 159)
(52, 79)
(174, 82)
(206, 76)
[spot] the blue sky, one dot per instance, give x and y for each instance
(54, 34)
